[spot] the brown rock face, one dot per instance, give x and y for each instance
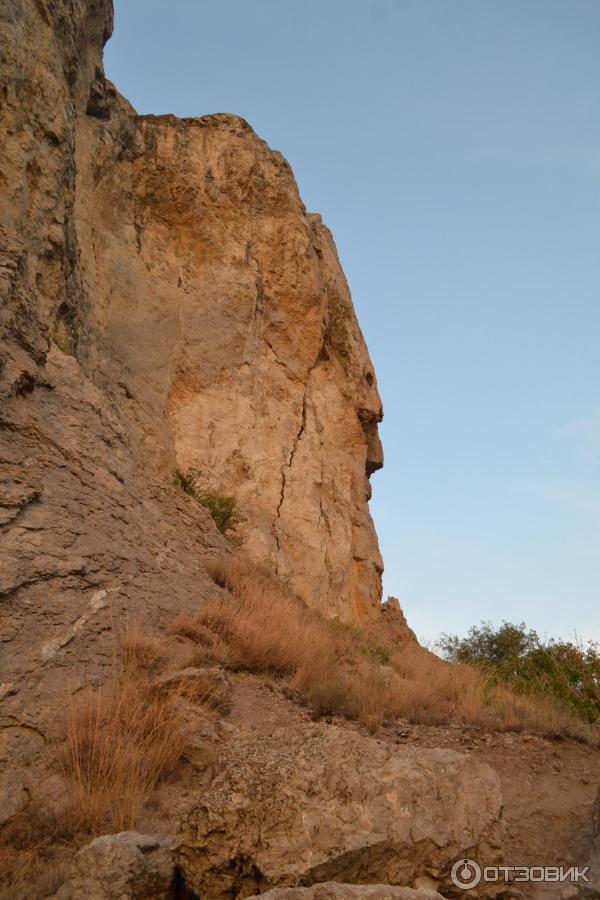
(221, 306)
(174, 260)
(165, 301)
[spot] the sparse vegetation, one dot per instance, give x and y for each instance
(517, 657)
(223, 508)
(339, 669)
(120, 742)
(139, 649)
(123, 739)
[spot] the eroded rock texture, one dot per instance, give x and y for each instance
(323, 804)
(165, 301)
(119, 867)
(332, 890)
(174, 260)
(221, 306)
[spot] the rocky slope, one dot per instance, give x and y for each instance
(165, 301)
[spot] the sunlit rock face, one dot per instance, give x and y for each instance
(173, 259)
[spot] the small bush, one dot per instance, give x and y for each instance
(517, 657)
(222, 507)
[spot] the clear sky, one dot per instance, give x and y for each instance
(454, 150)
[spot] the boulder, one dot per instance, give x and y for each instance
(125, 866)
(320, 803)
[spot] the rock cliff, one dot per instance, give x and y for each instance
(174, 264)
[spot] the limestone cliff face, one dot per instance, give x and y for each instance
(174, 261)
(221, 307)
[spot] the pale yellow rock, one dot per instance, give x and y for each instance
(222, 306)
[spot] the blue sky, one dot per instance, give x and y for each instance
(454, 150)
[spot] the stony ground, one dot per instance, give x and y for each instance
(549, 786)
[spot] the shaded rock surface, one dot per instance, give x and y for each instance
(332, 890)
(124, 866)
(324, 804)
(174, 262)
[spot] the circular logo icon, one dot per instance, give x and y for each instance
(466, 874)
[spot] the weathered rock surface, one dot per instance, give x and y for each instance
(324, 804)
(221, 305)
(175, 262)
(124, 866)
(165, 301)
(332, 890)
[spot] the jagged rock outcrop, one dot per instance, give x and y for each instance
(174, 261)
(165, 301)
(324, 804)
(221, 307)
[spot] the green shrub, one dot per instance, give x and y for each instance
(222, 507)
(516, 656)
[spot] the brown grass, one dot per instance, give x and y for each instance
(261, 627)
(34, 851)
(123, 739)
(141, 650)
(121, 742)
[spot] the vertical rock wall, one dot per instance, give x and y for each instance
(175, 261)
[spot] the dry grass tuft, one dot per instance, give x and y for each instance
(141, 650)
(189, 626)
(123, 739)
(340, 670)
(121, 742)
(219, 571)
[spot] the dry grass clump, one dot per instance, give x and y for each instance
(141, 650)
(123, 739)
(261, 627)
